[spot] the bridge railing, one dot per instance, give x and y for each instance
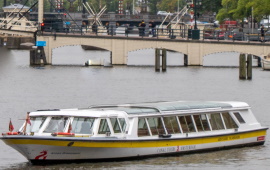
(233, 36)
(146, 32)
(135, 32)
(143, 32)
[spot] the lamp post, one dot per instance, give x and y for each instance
(133, 8)
(40, 11)
(195, 14)
(177, 10)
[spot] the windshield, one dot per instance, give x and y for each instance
(82, 125)
(56, 124)
(35, 124)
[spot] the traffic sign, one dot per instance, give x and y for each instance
(40, 43)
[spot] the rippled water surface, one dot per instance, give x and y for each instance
(24, 88)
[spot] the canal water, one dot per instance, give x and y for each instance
(69, 84)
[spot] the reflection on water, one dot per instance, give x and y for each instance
(24, 88)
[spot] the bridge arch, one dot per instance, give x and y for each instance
(146, 56)
(226, 58)
(78, 55)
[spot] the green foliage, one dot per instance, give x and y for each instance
(239, 9)
(210, 6)
(170, 5)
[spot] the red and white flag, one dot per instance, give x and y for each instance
(10, 126)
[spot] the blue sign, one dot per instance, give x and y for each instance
(40, 43)
(67, 23)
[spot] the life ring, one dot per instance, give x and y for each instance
(63, 134)
(10, 133)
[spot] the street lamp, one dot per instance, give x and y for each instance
(195, 14)
(133, 8)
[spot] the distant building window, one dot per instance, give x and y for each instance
(239, 117)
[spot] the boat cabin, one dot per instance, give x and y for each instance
(167, 119)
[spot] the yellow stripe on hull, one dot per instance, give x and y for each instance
(136, 144)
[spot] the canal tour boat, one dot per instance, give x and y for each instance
(109, 132)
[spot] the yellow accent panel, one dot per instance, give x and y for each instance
(137, 144)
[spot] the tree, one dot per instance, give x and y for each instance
(227, 10)
(210, 6)
(261, 8)
(153, 6)
(168, 5)
(239, 9)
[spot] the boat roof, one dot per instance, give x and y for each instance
(146, 108)
(169, 106)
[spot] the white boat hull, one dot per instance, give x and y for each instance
(39, 150)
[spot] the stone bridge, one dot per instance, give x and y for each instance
(119, 47)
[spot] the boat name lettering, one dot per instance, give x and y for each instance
(169, 149)
(228, 138)
(188, 147)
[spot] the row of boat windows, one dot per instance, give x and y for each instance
(79, 125)
(146, 126)
(186, 124)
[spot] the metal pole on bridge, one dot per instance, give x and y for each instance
(40, 11)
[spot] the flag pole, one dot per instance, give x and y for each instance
(26, 121)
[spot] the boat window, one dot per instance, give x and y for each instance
(229, 122)
(82, 125)
(35, 124)
(56, 124)
(187, 124)
(156, 125)
(103, 126)
(171, 125)
(239, 117)
(142, 128)
(201, 122)
(216, 121)
(123, 124)
(115, 125)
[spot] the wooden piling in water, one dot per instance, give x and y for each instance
(242, 66)
(249, 66)
(164, 59)
(259, 61)
(1, 41)
(157, 59)
(37, 56)
(13, 42)
(185, 60)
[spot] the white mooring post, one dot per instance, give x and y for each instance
(40, 11)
